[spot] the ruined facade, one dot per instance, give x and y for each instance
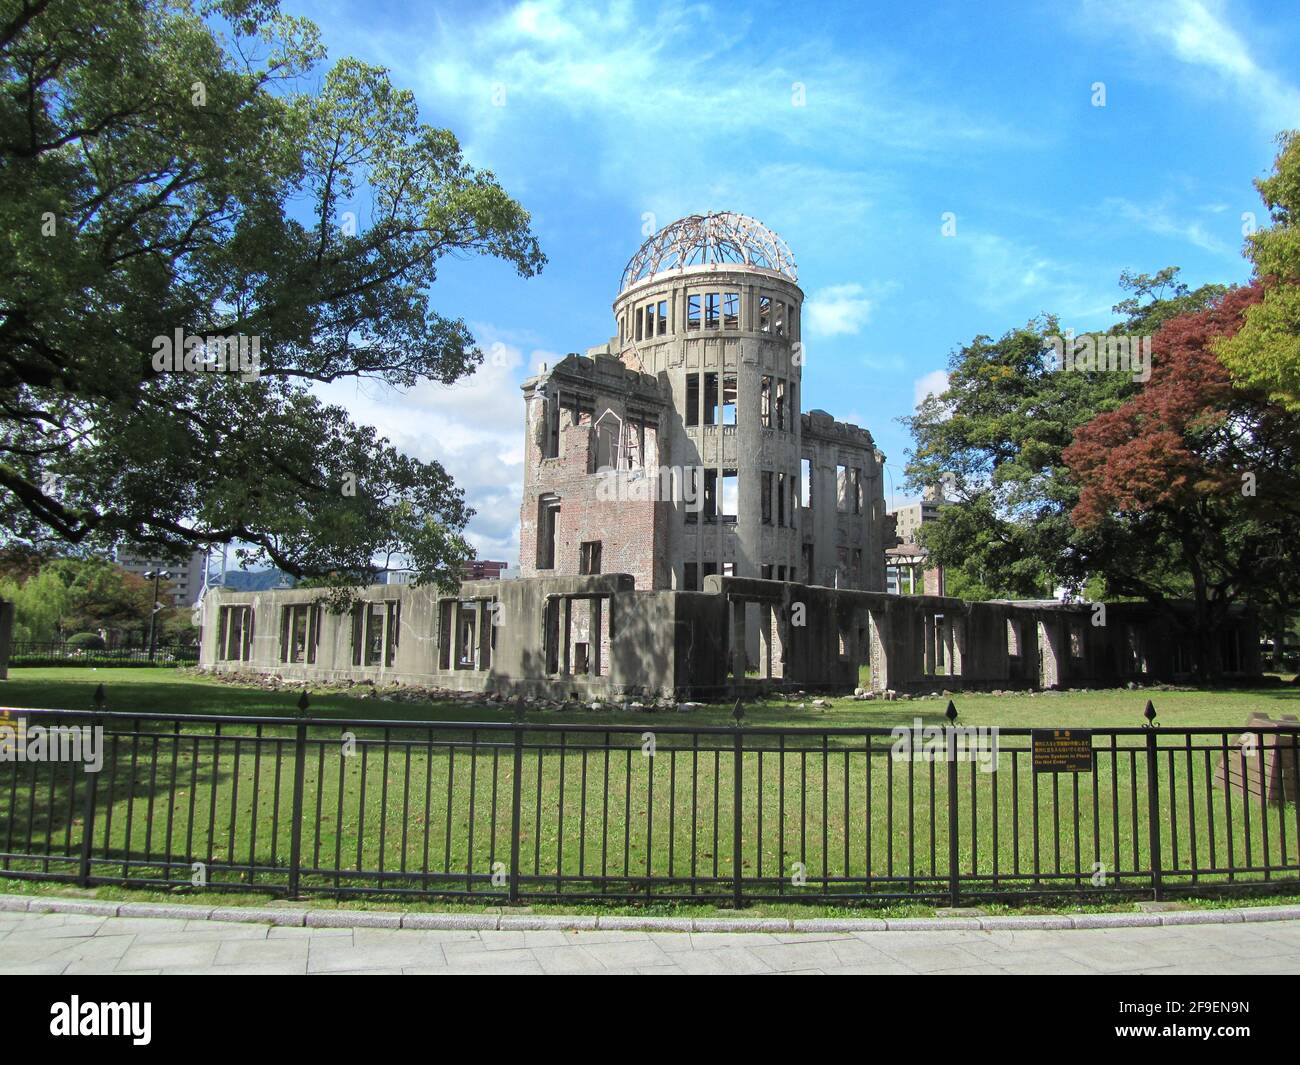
(686, 528)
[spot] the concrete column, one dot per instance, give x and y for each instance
(1054, 651)
(738, 655)
(566, 636)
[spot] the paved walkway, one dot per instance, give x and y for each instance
(80, 943)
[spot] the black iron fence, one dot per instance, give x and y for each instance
(519, 811)
(61, 653)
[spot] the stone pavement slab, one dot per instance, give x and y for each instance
(68, 943)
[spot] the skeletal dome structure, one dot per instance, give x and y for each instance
(710, 240)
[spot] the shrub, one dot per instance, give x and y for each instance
(90, 641)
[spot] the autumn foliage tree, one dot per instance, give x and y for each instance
(1192, 483)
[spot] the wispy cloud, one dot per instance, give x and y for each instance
(1158, 218)
(1203, 34)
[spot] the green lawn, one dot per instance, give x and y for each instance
(168, 691)
(443, 806)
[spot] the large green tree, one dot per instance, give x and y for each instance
(995, 437)
(165, 167)
(1265, 352)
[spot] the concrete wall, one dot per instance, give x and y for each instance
(598, 637)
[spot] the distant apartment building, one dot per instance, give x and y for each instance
(186, 581)
(482, 569)
(906, 571)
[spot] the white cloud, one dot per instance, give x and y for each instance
(837, 310)
(474, 428)
(934, 383)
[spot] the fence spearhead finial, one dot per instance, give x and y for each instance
(99, 698)
(1150, 714)
(738, 714)
(951, 713)
(303, 703)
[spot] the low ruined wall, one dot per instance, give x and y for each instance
(597, 637)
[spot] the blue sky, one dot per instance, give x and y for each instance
(599, 118)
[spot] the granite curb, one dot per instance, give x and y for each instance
(311, 918)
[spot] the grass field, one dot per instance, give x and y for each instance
(440, 804)
(167, 691)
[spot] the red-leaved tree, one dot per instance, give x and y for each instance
(1192, 483)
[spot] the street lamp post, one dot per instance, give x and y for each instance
(155, 575)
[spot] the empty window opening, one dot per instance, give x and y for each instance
(639, 313)
(589, 557)
(765, 401)
(731, 310)
(778, 323)
(711, 495)
(729, 399)
(606, 442)
(235, 636)
(806, 485)
(692, 399)
(710, 398)
(551, 433)
(780, 500)
(548, 520)
(780, 404)
(374, 637)
(467, 638)
(712, 302)
(843, 485)
(693, 312)
(691, 491)
(764, 314)
(765, 493)
(445, 608)
(663, 317)
(730, 495)
(691, 577)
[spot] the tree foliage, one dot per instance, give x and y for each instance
(1265, 352)
(1193, 482)
(165, 167)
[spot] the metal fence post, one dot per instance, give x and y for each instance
(954, 883)
(1153, 799)
(516, 802)
(299, 771)
(88, 802)
(738, 762)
